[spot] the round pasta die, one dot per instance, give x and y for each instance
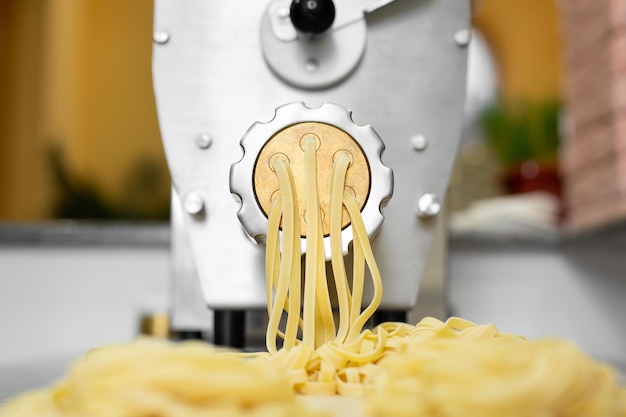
(330, 128)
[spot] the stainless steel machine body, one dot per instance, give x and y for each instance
(219, 67)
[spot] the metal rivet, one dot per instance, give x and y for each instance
(204, 141)
(311, 65)
(463, 37)
(161, 37)
(283, 12)
(193, 203)
(419, 142)
(428, 205)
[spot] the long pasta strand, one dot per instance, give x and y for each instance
(340, 168)
(287, 267)
(293, 315)
(325, 321)
(359, 229)
(312, 247)
(272, 250)
(358, 281)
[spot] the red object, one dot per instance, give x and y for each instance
(533, 176)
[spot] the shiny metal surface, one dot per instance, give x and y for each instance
(428, 205)
(211, 77)
(463, 37)
(193, 203)
(161, 37)
(347, 12)
(277, 15)
(310, 62)
(204, 141)
(419, 142)
(380, 184)
(188, 310)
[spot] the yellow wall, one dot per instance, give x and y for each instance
(23, 188)
(79, 75)
(118, 119)
(524, 38)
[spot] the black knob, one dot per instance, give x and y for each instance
(312, 16)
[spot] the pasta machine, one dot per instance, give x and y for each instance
(238, 82)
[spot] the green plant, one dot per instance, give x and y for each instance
(144, 195)
(523, 132)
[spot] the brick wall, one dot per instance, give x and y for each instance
(594, 148)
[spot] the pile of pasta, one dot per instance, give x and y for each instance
(460, 369)
(454, 368)
(457, 368)
(156, 378)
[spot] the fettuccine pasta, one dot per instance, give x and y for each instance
(327, 359)
(150, 378)
(443, 369)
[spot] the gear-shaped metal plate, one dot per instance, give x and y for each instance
(252, 180)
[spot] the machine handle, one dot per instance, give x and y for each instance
(312, 16)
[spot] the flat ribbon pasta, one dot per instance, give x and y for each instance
(149, 378)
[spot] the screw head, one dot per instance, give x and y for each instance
(204, 140)
(428, 205)
(463, 37)
(419, 142)
(311, 65)
(193, 203)
(161, 37)
(283, 12)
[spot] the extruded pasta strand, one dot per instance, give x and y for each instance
(289, 271)
(360, 232)
(312, 246)
(340, 168)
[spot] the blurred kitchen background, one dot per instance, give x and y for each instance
(533, 237)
